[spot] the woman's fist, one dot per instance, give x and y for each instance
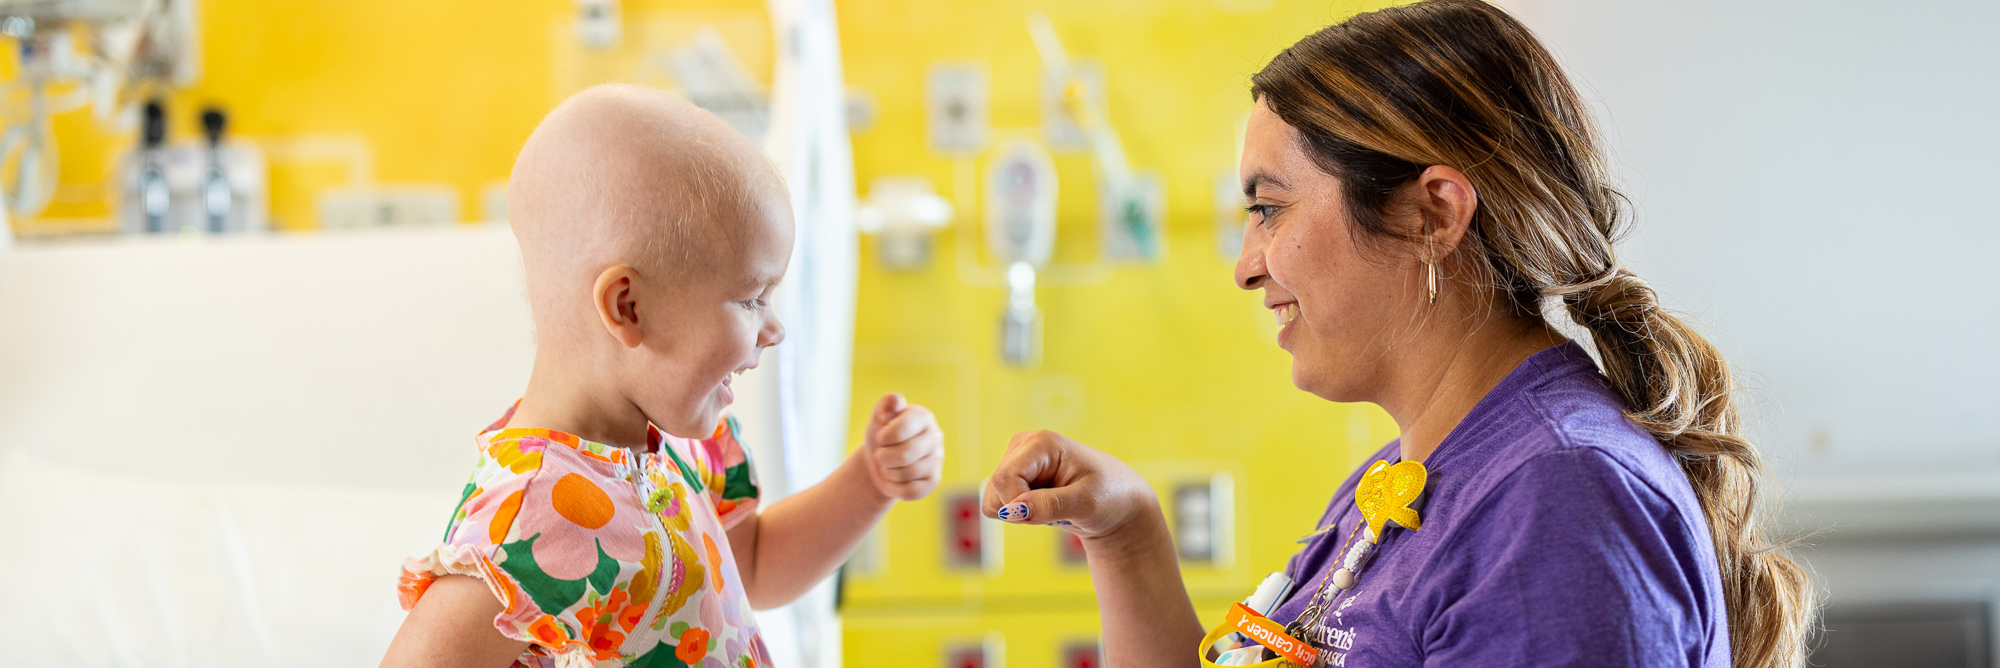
(1047, 479)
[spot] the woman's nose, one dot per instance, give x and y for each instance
(1250, 271)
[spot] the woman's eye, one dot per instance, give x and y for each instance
(1259, 212)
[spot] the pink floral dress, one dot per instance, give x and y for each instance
(602, 558)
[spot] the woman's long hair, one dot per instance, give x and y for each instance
(1383, 95)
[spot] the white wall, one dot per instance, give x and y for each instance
(1813, 180)
(363, 359)
(217, 451)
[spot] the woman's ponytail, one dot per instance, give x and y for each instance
(1679, 388)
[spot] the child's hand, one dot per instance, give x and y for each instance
(903, 448)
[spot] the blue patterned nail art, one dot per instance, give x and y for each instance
(1014, 512)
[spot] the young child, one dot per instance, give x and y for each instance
(612, 519)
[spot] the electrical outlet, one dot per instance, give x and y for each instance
(1203, 527)
(987, 652)
(956, 103)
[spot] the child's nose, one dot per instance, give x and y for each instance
(773, 333)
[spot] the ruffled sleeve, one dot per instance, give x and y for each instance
(728, 477)
(522, 528)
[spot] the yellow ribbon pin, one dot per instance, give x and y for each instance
(1385, 494)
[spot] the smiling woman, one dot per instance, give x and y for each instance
(1420, 180)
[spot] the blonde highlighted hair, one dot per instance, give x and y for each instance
(1383, 95)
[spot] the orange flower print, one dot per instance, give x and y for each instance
(412, 587)
(546, 632)
(606, 622)
(694, 645)
(714, 561)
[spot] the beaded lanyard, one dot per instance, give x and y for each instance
(1383, 495)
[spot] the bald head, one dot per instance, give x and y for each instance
(624, 175)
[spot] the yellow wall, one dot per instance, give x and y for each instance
(1165, 364)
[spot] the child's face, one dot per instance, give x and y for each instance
(714, 324)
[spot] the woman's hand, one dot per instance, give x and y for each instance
(1047, 479)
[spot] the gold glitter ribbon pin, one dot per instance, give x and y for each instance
(1386, 492)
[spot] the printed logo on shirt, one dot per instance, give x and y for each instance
(1337, 640)
(1343, 607)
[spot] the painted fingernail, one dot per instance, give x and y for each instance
(1014, 512)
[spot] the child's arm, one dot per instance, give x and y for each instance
(452, 627)
(793, 544)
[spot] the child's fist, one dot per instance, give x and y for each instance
(903, 448)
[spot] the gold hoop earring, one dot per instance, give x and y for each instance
(1431, 279)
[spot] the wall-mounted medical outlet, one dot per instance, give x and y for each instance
(1082, 654)
(1061, 107)
(1132, 217)
(987, 652)
(904, 215)
(599, 23)
(1204, 513)
(956, 108)
(1229, 215)
(971, 542)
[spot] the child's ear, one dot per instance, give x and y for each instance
(617, 304)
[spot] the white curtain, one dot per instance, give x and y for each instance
(796, 406)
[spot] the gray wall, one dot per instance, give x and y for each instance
(1816, 182)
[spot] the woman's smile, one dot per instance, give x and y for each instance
(1286, 313)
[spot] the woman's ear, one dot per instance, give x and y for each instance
(1446, 201)
(617, 304)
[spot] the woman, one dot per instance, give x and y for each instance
(1420, 180)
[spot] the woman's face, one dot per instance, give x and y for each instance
(1340, 307)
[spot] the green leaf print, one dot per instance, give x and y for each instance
(554, 595)
(470, 487)
(661, 656)
(737, 483)
(688, 474)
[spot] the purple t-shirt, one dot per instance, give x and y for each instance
(1555, 533)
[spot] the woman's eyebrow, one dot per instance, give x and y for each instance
(1259, 178)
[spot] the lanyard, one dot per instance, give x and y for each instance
(1383, 495)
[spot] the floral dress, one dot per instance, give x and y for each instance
(602, 557)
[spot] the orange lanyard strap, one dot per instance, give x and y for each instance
(1292, 652)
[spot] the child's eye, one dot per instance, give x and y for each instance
(753, 304)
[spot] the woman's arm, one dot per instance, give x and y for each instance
(1148, 619)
